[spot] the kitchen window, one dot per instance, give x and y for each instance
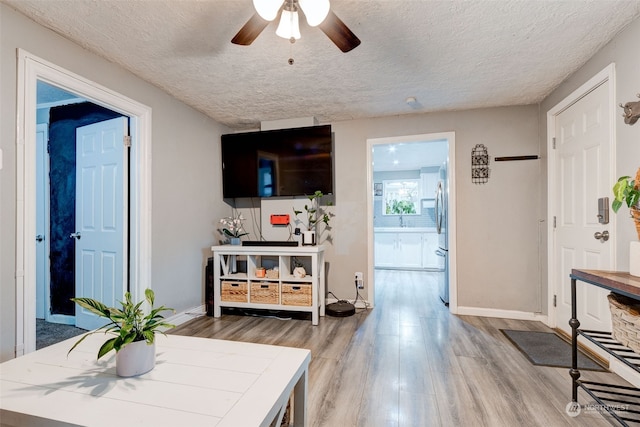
(401, 197)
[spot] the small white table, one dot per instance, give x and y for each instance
(196, 382)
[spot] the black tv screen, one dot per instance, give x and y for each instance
(277, 163)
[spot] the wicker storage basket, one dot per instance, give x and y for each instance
(625, 318)
(264, 293)
(272, 274)
(234, 291)
(296, 294)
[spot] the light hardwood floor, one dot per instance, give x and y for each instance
(409, 362)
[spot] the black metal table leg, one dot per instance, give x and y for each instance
(575, 324)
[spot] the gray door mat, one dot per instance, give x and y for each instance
(549, 349)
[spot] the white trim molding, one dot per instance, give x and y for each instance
(450, 137)
(30, 70)
(501, 314)
(186, 315)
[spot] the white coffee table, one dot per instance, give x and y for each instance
(196, 382)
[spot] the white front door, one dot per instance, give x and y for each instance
(582, 169)
(101, 216)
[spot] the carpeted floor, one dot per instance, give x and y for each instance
(51, 333)
(548, 349)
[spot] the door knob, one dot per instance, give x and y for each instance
(603, 237)
(76, 236)
(39, 238)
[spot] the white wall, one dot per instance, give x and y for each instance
(623, 50)
(186, 184)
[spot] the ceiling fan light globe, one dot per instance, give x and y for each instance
(267, 9)
(289, 26)
(315, 11)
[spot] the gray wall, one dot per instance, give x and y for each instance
(184, 170)
(497, 222)
(623, 50)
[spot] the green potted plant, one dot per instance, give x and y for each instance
(314, 214)
(627, 190)
(132, 332)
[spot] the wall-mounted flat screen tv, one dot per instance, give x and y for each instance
(277, 163)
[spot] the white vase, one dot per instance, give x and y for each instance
(308, 238)
(135, 359)
(634, 259)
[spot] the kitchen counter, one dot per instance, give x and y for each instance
(404, 229)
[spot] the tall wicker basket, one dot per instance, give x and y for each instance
(635, 213)
(625, 318)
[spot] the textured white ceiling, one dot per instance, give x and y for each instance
(450, 55)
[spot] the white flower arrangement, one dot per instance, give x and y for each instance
(233, 226)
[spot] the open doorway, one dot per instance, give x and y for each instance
(77, 161)
(405, 212)
(32, 69)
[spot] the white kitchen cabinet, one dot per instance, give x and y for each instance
(429, 184)
(409, 250)
(429, 246)
(399, 249)
(385, 249)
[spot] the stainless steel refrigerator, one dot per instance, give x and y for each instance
(441, 216)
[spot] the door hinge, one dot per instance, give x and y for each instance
(555, 300)
(127, 141)
(554, 222)
(553, 142)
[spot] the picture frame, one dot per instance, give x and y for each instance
(377, 189)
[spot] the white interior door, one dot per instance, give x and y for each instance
(42, 222)
(101, 216)
(582, 166)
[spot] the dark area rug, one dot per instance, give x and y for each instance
(51, 333)
(548, 349)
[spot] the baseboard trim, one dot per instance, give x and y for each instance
(502, 314)
(186, 315)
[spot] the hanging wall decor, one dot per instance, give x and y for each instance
(631, 111)
(479, 164)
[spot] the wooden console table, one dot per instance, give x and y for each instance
(620, 401)
(196, 382)
(248, 285)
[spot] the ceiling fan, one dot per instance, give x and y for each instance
(317, 12)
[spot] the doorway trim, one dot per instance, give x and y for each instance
(30, 70)
(607, 74)
(451, 138)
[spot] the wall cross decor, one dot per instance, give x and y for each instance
(479, 164)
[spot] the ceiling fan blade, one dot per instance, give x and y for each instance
(250, 31)
(339, 33)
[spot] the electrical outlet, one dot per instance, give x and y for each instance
(359, 280)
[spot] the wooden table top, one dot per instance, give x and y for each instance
(617, 281)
